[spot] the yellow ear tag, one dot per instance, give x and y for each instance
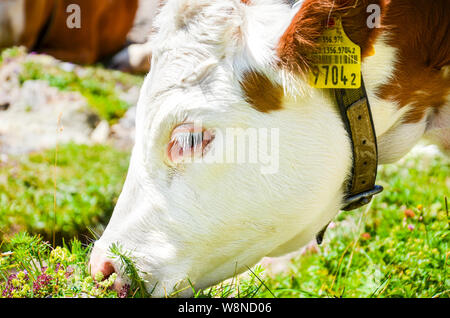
(337, 62)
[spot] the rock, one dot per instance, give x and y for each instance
(36, 116)
(123, 133)
(278, 265)
(101, 133)
(40, 116)
(4, 106)
(3, 158)
(143, 21)
(281, 265)
(68, 67)
(9, 83)
(131, 96)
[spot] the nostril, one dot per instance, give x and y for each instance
(107, 269)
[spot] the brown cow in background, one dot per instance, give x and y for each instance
(41, 25)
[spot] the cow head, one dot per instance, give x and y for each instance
(194, 207)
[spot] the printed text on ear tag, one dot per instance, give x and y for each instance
(337, 62)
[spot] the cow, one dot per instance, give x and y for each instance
(78, 31)
(242, 66)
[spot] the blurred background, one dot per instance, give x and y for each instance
(68, 95)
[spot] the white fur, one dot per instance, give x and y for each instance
(207, 222)
(438, 130)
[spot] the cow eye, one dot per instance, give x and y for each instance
(188, 142)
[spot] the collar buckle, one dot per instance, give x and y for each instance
(358, 200)
(353, 202)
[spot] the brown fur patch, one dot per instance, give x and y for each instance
(419, 29)
(261, 93)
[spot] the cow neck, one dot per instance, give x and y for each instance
(355, 111)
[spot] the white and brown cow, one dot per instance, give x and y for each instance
(41, 25)
(241, 64)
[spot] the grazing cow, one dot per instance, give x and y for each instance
(79, 31)
(230, 66)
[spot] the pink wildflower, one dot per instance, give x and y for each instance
(366, 236)
(124, 291)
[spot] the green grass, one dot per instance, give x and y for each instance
(381, 251)
(88, 182)
(397, 247)
(33, 269)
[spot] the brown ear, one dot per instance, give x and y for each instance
(300, 38)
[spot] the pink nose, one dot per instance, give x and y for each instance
(100, 263)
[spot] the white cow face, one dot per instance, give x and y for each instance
(193, 206)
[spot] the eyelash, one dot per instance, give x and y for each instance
(189, 140)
